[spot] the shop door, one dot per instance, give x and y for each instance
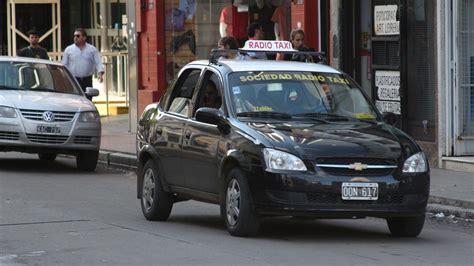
(464, 93)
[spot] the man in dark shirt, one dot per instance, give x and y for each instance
(34, 50)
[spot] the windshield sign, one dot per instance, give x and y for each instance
(298, 93)
(36, 77)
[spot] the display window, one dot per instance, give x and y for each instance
(194, 27)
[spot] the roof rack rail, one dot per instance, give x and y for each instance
(217, 53)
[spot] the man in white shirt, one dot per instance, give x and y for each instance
(82, 59)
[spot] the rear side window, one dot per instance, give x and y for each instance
(183, 91)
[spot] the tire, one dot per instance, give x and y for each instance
(87, 160)
(237, 206)
(47, 156)
(155, 202)
(406, 226)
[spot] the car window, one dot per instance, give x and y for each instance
(298, 93)
(210, 94)
(37, 76)
(184, 89)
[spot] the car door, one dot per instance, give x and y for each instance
(201, 141)
(170, 125)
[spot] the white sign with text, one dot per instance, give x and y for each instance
(385, 20)
(387, 84)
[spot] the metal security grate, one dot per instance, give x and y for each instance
(47, 139)
(466, 67)
(38, 115)
(5, 135)
(82, 140)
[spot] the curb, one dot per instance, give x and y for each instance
(458, 208)
(116, 159)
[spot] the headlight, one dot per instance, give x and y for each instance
(89, 117)
(7, 112)
(280, 160)
(415, 164)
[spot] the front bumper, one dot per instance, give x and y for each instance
(319, 195)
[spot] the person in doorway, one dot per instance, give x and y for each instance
(255, 32)
(82, 59)
(228, 43)
(297, 37)
(34, 50)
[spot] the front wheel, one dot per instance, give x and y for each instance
(237, 207)
(155, 202)
(87, 160)
(406, 226)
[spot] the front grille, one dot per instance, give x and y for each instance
(82, 140)
(339, 166)
(326, 198)
(333, 198)
(47, 139)
(37, 115)
(5, 135)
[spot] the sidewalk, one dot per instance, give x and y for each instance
(452, 192)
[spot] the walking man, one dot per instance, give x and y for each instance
(82, 59)
(34, 50)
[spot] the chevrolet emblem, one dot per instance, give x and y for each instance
(358, 166)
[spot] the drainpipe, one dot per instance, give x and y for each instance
(104, 47)
(336, 39)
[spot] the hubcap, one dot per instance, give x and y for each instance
(233, 202)
(148, 189)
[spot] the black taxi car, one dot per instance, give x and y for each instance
(277, 138)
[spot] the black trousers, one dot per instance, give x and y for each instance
(85, 82)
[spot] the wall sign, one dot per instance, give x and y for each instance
(385, 20)
(387, 84)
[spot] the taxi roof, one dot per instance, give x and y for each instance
(269, 65)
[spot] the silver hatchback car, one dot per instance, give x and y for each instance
(43, 110)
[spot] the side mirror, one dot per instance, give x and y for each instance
(92, 92)
(390, 118)
(212, 116)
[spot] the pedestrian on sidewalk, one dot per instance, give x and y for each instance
(297, 39)
(82, 58)
(34, 50)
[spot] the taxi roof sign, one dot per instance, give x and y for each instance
(268, 46)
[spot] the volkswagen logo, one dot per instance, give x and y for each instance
(48, 116)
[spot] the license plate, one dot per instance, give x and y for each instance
(360, 191)
(48, 129)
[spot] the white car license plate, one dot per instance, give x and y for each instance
(48, 129)
(360, 191)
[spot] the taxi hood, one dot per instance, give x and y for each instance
(349, 139)
(39, 100)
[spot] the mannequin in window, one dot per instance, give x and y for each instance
(280, 19)
(232, 22)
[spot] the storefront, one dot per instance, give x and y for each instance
(192, 28)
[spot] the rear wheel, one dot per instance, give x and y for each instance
(406, 226)
(237, 208)
(155, 202)
(47, 156)
(87, 160)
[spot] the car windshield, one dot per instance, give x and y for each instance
(36, 77)
(298, 94)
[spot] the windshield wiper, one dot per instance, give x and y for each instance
(4, 87)
(336, 117)
(277, 115)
